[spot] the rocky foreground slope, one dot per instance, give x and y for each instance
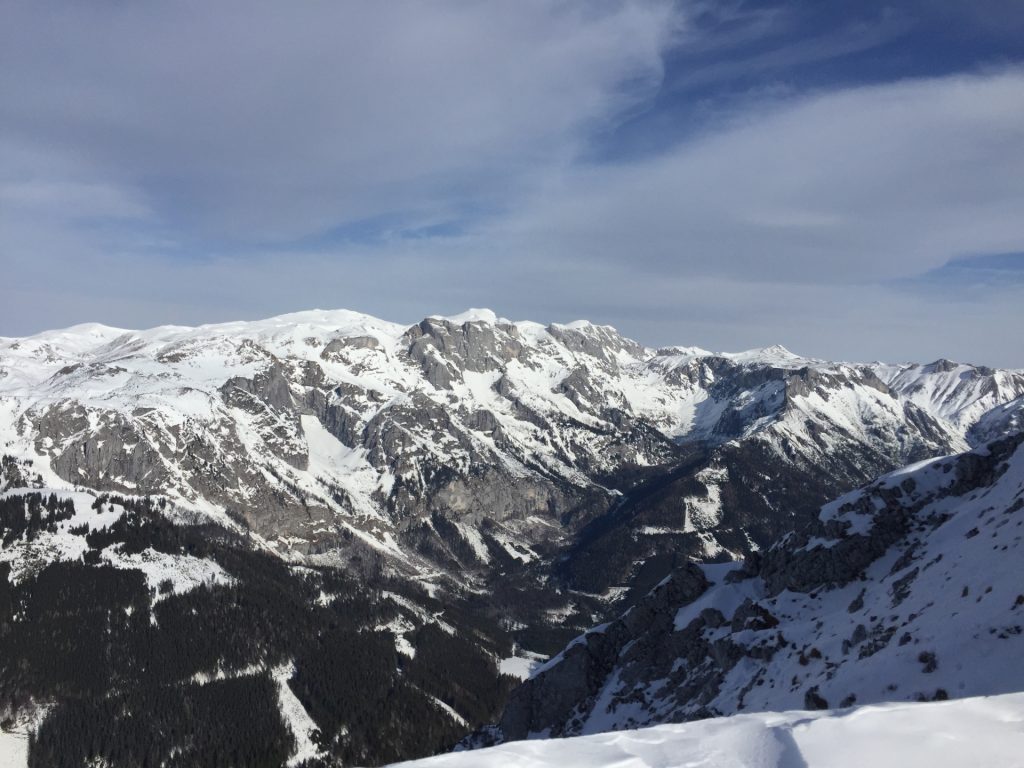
(906, 590)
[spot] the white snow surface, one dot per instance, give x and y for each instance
(298, 720)
(1005, 418)
(183, 572)
(14, 748)
(984, 731)
(522, 666)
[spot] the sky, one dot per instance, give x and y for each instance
(844, 179)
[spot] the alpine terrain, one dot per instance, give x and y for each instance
(325, 539)
(905, 590)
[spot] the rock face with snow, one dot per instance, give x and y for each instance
(495, 487)
(472, 451)
(320, 430)
(907, 589)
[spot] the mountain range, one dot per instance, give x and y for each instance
(904, 590)
(464, 496)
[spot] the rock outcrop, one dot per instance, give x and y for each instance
(904, 590)
(475, 447)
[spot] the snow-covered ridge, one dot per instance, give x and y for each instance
(979, 731)
(336, 423)
(907, 589)
(82, 341)
(213, 353)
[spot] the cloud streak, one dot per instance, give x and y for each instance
(869, 183)
(263, 122)
(402, 160)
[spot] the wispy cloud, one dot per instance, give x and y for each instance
(860, 184)
(260, 122)
(403, 159)
(752, 44)
(967, 278)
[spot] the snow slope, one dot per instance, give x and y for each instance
(984, 731)
(165, 573)
(955, 392)
(13, 749)
(908, 589)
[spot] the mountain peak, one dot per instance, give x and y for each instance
(775, 354)
(472, 315)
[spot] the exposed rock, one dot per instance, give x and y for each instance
(561, 455)
(813, 700)
(776, 632)
(556, 697)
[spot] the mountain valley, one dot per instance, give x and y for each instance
(295, 511)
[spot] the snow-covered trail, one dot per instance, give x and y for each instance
(982, 731)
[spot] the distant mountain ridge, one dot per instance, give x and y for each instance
(441, 443)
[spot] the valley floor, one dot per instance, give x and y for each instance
(982, 731)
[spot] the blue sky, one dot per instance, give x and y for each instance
(846, 179)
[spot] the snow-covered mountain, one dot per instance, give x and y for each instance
(907, 589)
(471, 452)
(318, 428)
(951, 734)
(290, 512)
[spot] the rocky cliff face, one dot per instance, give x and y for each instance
(473, 445)
(907, 589)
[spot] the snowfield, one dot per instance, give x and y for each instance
(984, 731)
(13, 749)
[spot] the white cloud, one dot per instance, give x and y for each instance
(256, 120)
(865, 184)
(164, 170)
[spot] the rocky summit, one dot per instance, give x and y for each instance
(473, 445)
